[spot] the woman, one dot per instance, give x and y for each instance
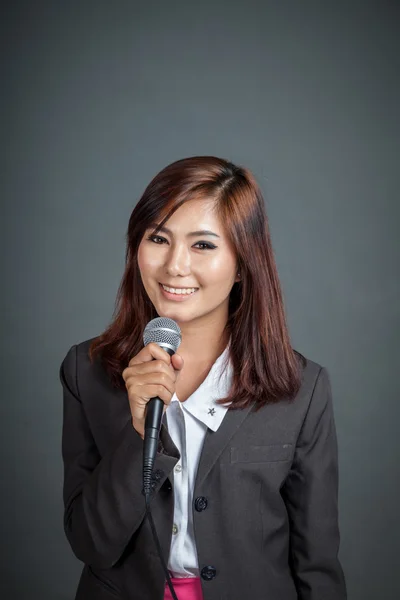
(246, 477)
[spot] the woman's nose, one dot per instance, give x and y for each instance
(178, 261)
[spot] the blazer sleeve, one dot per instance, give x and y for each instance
(311, 496)
(103, 500)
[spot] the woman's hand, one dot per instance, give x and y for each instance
(152, 372)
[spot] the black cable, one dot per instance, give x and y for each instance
(158, 546)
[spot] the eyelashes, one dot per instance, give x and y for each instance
(207, 245)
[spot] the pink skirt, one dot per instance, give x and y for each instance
(186, 588)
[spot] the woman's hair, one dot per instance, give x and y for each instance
(265, 366)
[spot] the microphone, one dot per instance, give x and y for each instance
(166, 333)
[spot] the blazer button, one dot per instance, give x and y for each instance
(201, 503)
(208, 572)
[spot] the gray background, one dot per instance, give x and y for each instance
(97, 98)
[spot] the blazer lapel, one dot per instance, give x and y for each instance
(215, 442)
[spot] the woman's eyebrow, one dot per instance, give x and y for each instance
(191, 234)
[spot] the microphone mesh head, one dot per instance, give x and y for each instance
(164, 332)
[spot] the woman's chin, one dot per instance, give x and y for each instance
(175, 313)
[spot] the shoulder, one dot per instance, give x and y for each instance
(78, 352)
(310, 370)
(315, 394)
(82, 349)
(77, 362)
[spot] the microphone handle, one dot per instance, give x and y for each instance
(152, 426)
(154, 413)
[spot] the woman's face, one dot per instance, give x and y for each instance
(180, 258)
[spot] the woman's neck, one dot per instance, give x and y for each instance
(202, 344)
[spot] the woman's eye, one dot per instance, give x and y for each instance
(153, 238)
(205, 245)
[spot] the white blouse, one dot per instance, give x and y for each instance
(187, 425)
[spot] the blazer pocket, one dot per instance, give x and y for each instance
(261, 454)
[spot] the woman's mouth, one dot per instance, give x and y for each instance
(177, 294)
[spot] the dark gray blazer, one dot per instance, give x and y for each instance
(268, 529)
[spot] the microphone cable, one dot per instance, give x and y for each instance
(148, 464)
(158, 546)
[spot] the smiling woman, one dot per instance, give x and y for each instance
(246, 473)
(201, 223)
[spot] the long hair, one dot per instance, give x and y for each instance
(266, 368)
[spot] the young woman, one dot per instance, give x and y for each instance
(245, 486)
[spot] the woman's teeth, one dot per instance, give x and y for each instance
(179, 291)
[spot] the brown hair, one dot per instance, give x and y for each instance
(265, 366)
